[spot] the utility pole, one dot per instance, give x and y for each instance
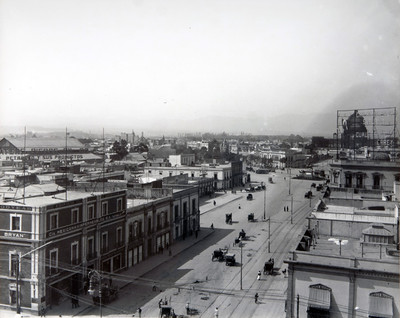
(241, 265)
(291, 210)
(17, 264)
(265, 200)
(269, 234)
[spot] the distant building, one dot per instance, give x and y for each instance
(364, 174)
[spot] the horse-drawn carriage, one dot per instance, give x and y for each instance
(250, 217)
(167, 311)
(269, 267)
(230, 260)
(218, 255)
(228, 218)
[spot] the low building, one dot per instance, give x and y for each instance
(364, 174)
(338, 278)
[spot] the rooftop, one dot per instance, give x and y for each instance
(41, 201)
(348, 252)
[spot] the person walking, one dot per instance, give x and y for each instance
(256, 298)
(259, 275)
(140, 312)
(216, 312)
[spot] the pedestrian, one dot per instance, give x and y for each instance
(212, 226)
(256, 298)
(259, 275)
(160, 303)
(284, 209)
(187, 308)
(239, 207)
(215, 203)
(216, 312)
(140, 312)
(287, 209)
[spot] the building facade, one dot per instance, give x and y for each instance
(49, 243)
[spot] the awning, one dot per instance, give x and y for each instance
(320, 297)
(380, 305)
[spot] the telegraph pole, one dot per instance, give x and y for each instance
(291, 210)
(241, 265)
(17, 264)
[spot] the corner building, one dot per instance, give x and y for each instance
(78, 232)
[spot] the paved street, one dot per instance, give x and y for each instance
(188, 276)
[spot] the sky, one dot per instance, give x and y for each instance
(257, 66)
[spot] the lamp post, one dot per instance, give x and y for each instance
(17, 264)
(290, 178)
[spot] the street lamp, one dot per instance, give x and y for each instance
(17, 272)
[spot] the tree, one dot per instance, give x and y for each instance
(120, 149)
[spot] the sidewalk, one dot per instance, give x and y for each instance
(64, 309)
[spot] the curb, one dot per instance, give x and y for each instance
(223, 204)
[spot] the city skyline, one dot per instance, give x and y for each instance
(260, 67)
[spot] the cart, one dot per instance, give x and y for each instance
(230, 260)
(167, 311)
(218, 255)
(269, 267)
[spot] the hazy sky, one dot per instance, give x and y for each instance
(254, 66)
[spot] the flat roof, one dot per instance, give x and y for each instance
(50, 199)
(349, 253)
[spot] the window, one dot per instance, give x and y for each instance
(14, 264)
(377, 181)
(135, 228)
(104, 208)
(15, 222)
(176, 212)
(348, 180)
(91, 253)
(75, 216)
(149, 225)
(54, 261)
(53, 221)
(119, 204)
(359, 180)
(193, 206)
(74, 253)
(319, 301)
(104, 242)
(380, 305)
(91, 212)
(184, 208)
(119, 236)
